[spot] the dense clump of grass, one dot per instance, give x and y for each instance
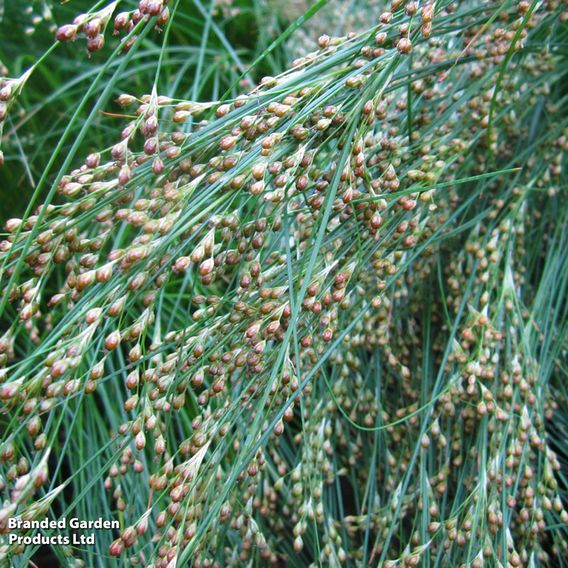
(318, 318)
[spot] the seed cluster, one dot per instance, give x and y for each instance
(311, 309)
(9, 90)
(92, 26)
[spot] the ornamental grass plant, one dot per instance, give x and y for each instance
(285, 283)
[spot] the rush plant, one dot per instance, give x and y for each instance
(263, 310)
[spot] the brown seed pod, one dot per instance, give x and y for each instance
(112, 341)
(96, 43)
(67, 32)
(116, 548)
(404, 45)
